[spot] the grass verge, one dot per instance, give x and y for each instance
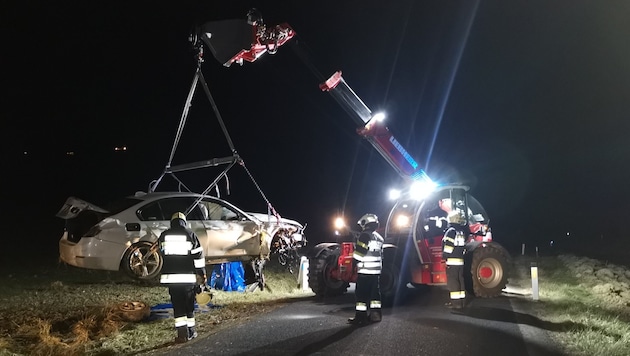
(589, 298)
(70, 311)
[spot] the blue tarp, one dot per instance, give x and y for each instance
(229, 277)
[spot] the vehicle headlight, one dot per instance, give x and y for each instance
(402, 220)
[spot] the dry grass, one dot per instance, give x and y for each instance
(592, 299)
(71, 311)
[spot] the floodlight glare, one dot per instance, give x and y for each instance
(394, 194)
(420, 189)
(379, 116)
(339, 223)
(402, 220)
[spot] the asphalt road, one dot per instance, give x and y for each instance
(419, 326)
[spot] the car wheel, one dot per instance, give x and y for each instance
(142, 261)
(133, 311)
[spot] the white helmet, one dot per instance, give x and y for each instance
(456, 217)
(368, 221)
(179, 215)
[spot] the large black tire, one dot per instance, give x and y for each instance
(142, 261)
(319, 278)
(393, 283)
(389, 280)
(489, 270)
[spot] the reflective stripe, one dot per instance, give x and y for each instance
(200, 263)
(178, 278)
(176, 245)
(375, 245)
(369, 271)
(372, 258)
(180, 321)
(190, 322)
(197, 250)
(449, 239)
(460, 240)
(448, 249)
(357, 256)
(371, 264)
(458, 295)
(375, 304)
(175, 238)
(360, 307)
(455, 261)
(362, 244)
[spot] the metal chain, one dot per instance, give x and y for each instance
(269, 206)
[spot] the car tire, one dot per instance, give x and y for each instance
(142, 261)
(132, 311)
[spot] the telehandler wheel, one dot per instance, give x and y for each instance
(393, 285)
(489, 271)
(319, 275)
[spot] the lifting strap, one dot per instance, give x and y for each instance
(199, 78)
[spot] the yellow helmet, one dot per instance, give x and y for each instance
(179, 215)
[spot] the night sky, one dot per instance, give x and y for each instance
(526, 101)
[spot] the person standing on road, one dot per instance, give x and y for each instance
(368, 256)
(453, 250)
(183, 271)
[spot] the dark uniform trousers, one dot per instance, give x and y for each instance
(453, 252)
(183, 300)
(368, 294)
(368, 257)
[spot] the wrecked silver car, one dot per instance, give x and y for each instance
(122, 236)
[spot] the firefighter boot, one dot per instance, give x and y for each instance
(182, 335)
(376, 316)
(359, 319)
(192, 333)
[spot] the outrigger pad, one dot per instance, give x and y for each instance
(227, 38)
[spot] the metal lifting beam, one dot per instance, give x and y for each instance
(377, 134)
(203, 164)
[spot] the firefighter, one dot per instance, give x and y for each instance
(368, 258)
(453, 250)
(183, 272)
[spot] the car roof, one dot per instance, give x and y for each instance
(157, 195)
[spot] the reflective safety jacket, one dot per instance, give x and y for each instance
(182, 254)
(369, 253)
(453, 246)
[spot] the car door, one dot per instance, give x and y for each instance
(157, 215)
(230, 234)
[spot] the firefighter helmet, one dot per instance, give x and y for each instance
(179, 215)
(456, 217)
(368, 221)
